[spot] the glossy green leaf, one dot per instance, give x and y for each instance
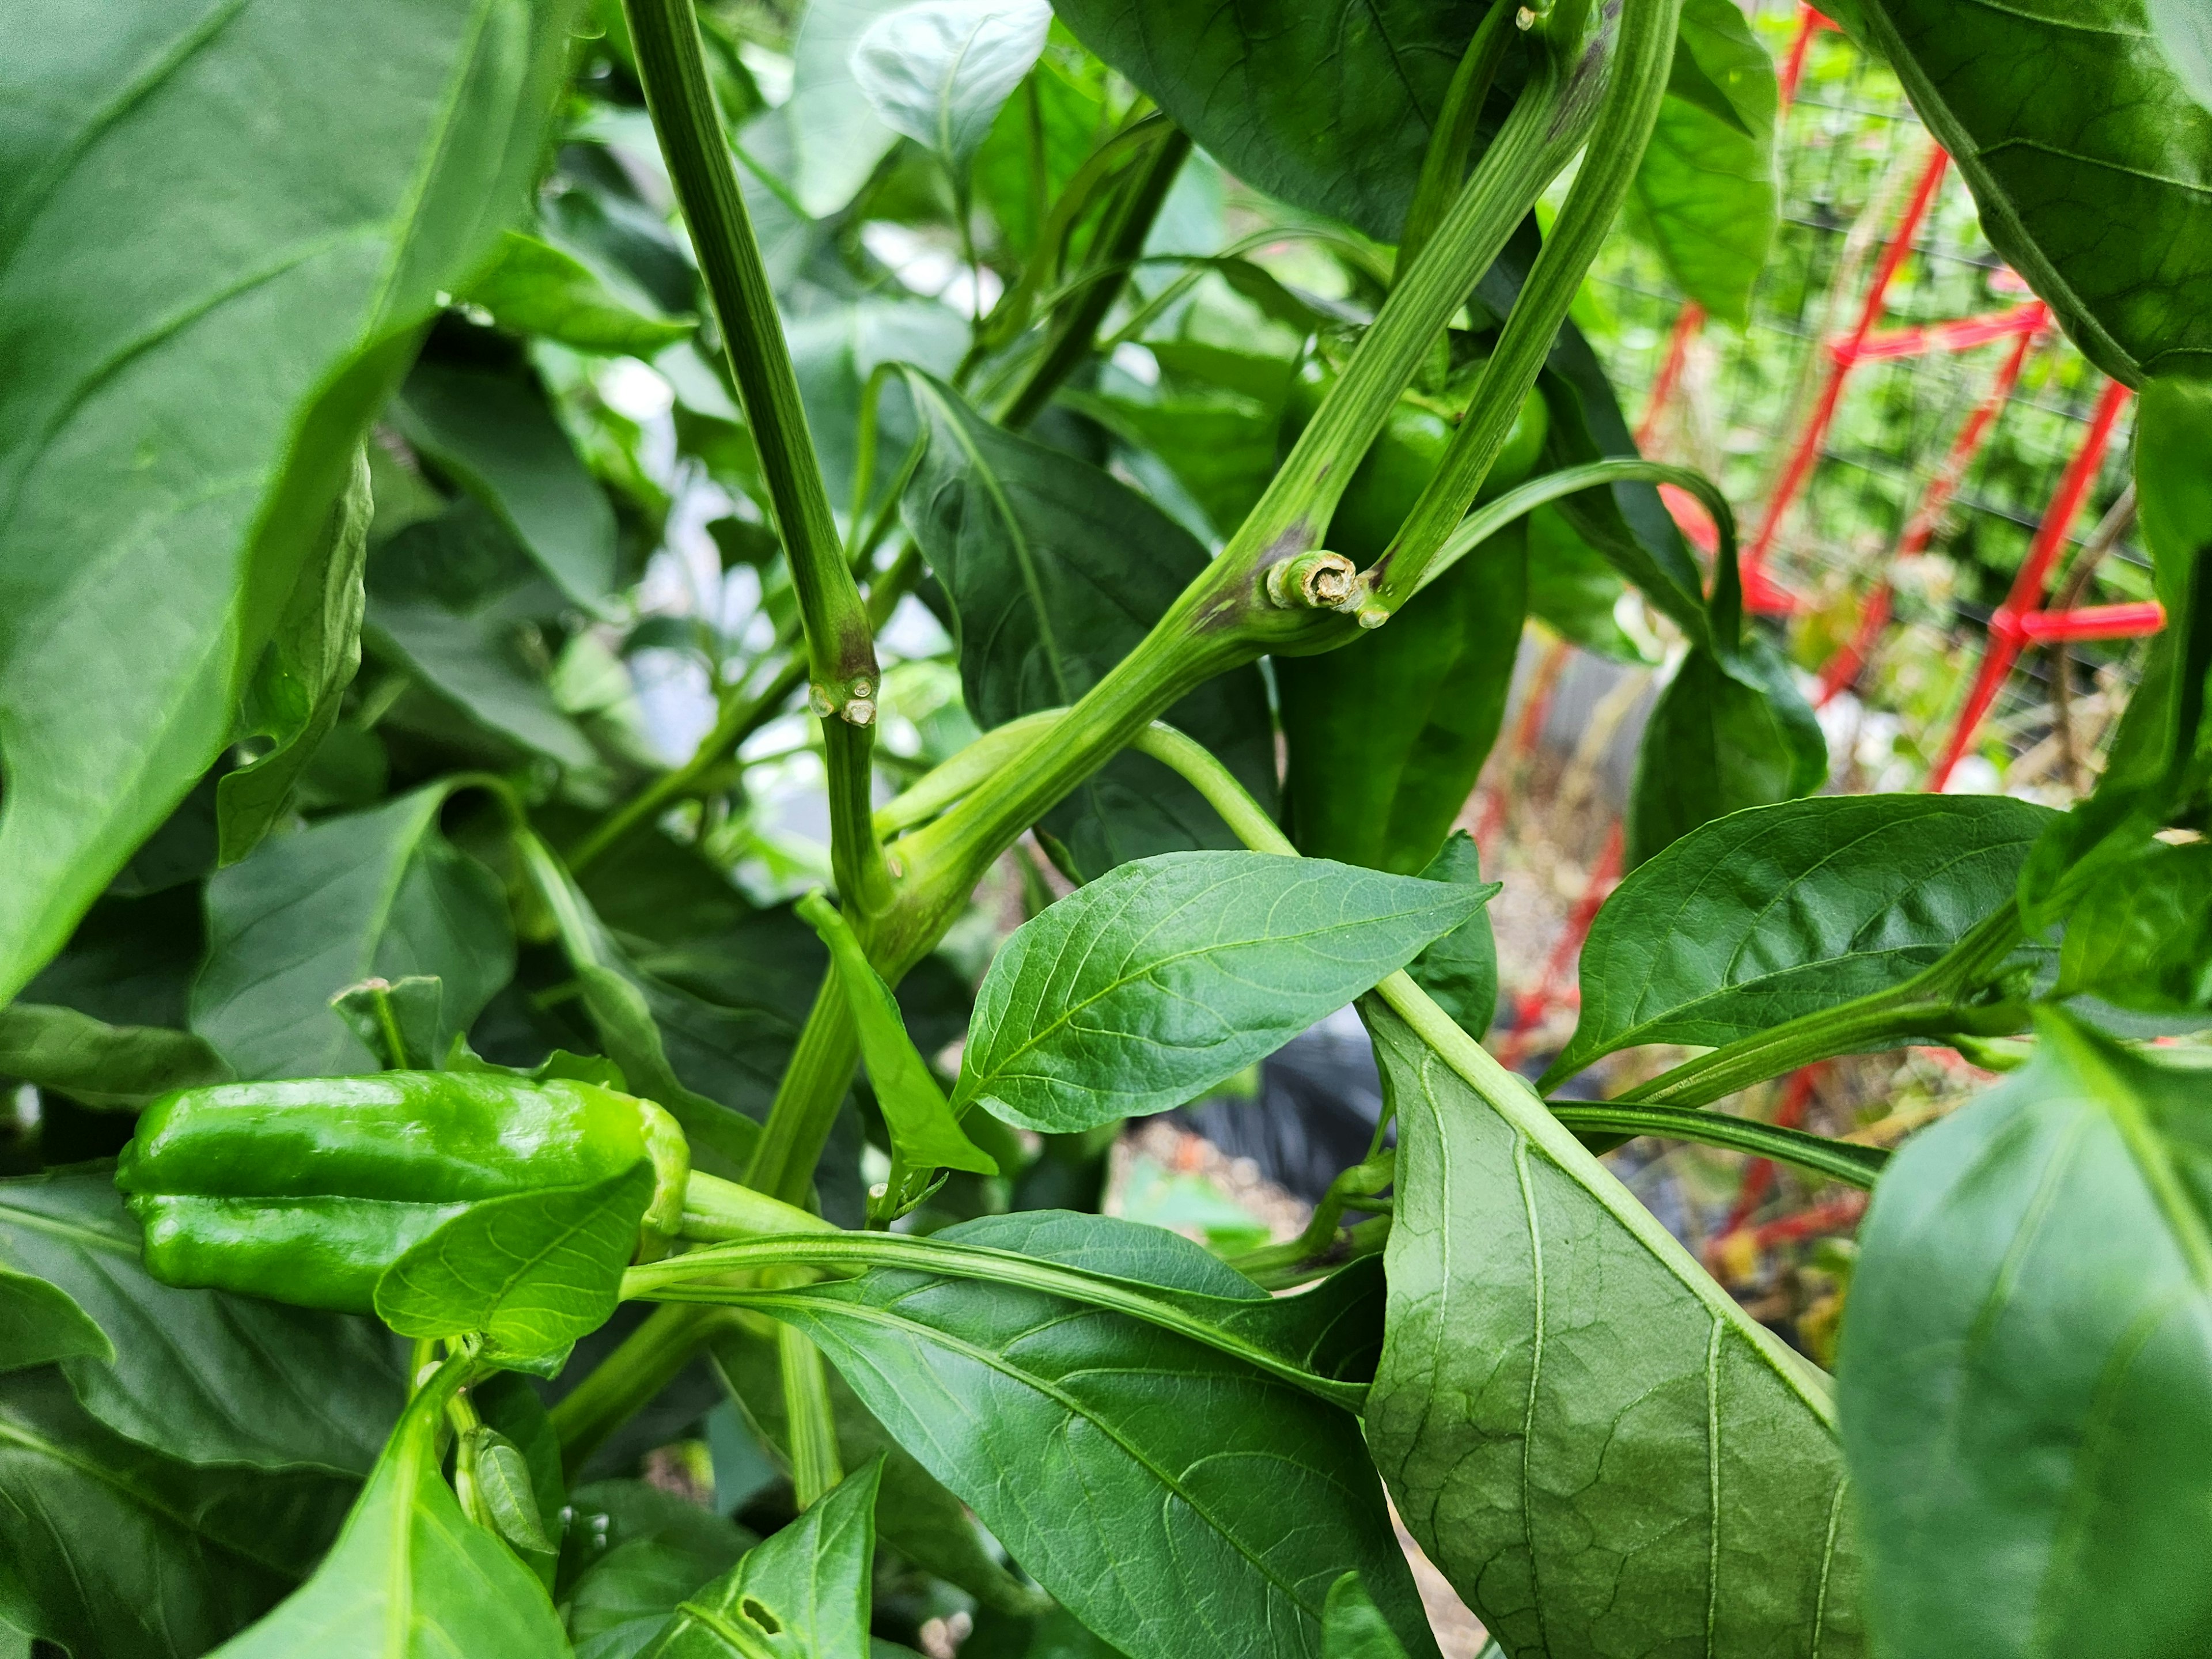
(108, 1548)
(2089, 159)
(803, 1593)
(410, 1577)
(1387, 735)
(1725, 734)
(914, 1514)
(1219, 444)
(836, 136)
(2027, 1364)
(1327, 104)
(189, 373)
(1706, 185)
(1055, 571)
(1174, 1500)
(202, 1376)
(40, 1324)
(1766, 914)
(937, 70)
(471, 661)
(1353, 1628)
(536, 288)
(1459, 970)
(1599, 1447)
(379, 893)
(531, 1271)
(2142, 936)
(292, 699)
(97, 1063)
(1145, 988)
(924, 1132)
(493, 432)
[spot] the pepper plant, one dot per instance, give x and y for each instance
(418, 1123)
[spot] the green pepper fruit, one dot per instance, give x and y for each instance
(1387, 735)
(305, 1191)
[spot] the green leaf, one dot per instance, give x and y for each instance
(835, 133)
(495, 434)
(1218, 1505)
(536, 288)
(41, 1324)
(532, 1271)
(100, 1064)
(1353, 1628)
(410, 1577)
(1325, 104)
(1459, 970)
(380, 894)
(1783, 910)
(472, 662)
(189, 372)
(2142, 936)
(630, 1010)
(1055, 571)
(402, 1024)
(803, 1592)
(914, 1514)
(1387, 735)
(1726, 733)
(292, 699)
(202, 1376)
(1145, 988)
(2025, 1360)
(2088, 157)
(1707, 185)
(1219, 444)
(924, 1132)
(939, 70)
(633, 1552)
(114, 1550)
(502, 1478)
(1598, 1447)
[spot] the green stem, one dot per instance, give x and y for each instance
(1321, 1242)
(1119, 241)
(1245, 816)
(1609, 1121)
(1932, 1004)
(840, 645)
(647, 1361)
(1444, 166)
(1635, 85)
(943, 785)
(807, 1095)
(811, 1419)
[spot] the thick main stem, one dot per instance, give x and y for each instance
(840, 645)
(1635, 84)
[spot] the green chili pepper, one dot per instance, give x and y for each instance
(305, 1191)
(1386, 735)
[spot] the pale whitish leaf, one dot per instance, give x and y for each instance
(835, 134)
(1599, 1447)
(382, 893)
(225, 231)
(939, 70)
(205, 1376)
(1151, 984)
(532, 1271)
(803, 1593)
(2026, 1368)
(410, 1577)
